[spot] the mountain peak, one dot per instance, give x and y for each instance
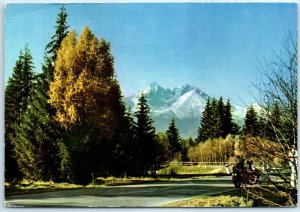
(154, 85)
(187, 86)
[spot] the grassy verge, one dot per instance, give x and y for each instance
(220, 201)
(112, 181)
(236, 198)
(169, 173)
(176, 169)
(31, 187)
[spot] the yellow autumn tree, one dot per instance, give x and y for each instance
(84, 81)
(88, 103)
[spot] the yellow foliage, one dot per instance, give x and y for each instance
(263, 150)
(215, 150)
(83, 77)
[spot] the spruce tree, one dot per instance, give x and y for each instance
(220, 124)
(251, 122)
(274, 123)
(214, 129)
(173, 138)
(229, 126)
(203, 130)
(146, 138)
(40, 135)
(17, 95)
(61, 30)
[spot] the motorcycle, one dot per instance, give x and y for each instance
(244, 177)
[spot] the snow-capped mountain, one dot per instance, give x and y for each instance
(185, 104)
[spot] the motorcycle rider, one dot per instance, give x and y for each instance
(240, 163)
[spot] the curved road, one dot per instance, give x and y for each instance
(140, 195)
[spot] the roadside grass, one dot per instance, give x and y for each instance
(171, 172)
(31, 187)
(175, 169)
(112, 181)
(219, 201)
(236, 198)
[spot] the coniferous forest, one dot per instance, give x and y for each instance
(68, 122)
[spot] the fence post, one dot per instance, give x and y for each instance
(227, 168)
(293, 154)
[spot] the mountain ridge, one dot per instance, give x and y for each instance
(185, 104)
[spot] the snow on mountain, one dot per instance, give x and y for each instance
(190, 104)
(185, 104)
(186, 101)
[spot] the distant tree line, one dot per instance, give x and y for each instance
(216, 121)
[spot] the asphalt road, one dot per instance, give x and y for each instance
(141, 195)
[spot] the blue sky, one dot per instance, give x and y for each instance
(215, 47)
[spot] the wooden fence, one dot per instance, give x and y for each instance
(200, 163)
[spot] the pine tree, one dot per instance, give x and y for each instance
(61, 30)
(229, 126)
(204, 129)
(262, 125)
(146, 138)
(214, 130)
(274, 123)
(220, 124)
(40, 135)
(173, 138)
(216, 120)
(17, 96)
(251, 122)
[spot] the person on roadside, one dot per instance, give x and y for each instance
(240, 163)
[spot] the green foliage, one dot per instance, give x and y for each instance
(38, 135)
(173, 138)
(216, 121)
(165, 147)
(61, 30)
(274, 123)
(149, 148)
(251, 122)
(17, 96)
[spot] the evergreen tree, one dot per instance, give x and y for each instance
(38, 134)
(214, 129)
(262, 125)
(220, 124)
(165, 147)
(173, 138)
(17, 95)
(229, 126)
(204, 129)
(146, 138)
(128, 146)
(251, 122)
(61, 30)
(274, 122)
(216, 120)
